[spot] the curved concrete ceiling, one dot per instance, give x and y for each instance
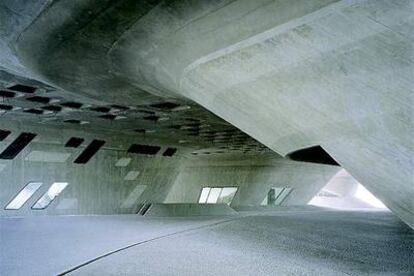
(291, 74)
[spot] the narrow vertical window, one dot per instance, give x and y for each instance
(20, 199)
(50, 195)
(204, 194)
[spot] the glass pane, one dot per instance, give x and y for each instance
(204, 195)
(285, 192)
(227, 195)
(273, 194)
(213, 196)
(50, 195)
(23, 196)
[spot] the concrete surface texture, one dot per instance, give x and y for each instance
(279, 241)
(188, 210)
(291, 74)
(103, 185)
(170, 97)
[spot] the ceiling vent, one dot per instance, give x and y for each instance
(76, 122)
(144, 149)
(22, 88)
(89, 152)
(38, 99)
(54, 108)
(165, 105)
(7, 94)
(6, 107)
(4, 134)
(108, 116)
(33, 111)
(102, 109)
(74, 105)
(169, 152)
(74, 142)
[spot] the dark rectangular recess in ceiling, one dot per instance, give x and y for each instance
(54, 108)
(72, 105)
(6, 107)
(192, 120)
(145, 111)
(4, 134)
(39, 99)
(7, 94)
(33, 111)
(120, 107)
(169, 152)
(102, 109)
(72, 121)
(74, 142)
(151, 118)
(17, 145)
(108, 116)
(22, 88)
(165, 105)
(144, 149)
(89, 151)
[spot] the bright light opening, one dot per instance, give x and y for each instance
(50, 195)
(344, 192)
(20, 199)
(217, 195)
(363, 194)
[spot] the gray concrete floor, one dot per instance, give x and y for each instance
(291, 241)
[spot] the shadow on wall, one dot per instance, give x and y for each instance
(345, 193)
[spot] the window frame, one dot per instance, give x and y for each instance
(221, 187)
(45, 193)
(21, 190)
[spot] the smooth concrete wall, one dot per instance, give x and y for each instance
(295, 74)
(253, 175)
(291, 74)
(97, 187)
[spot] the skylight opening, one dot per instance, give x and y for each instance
(74, 142)
(22, 88)
(144, 149)
(7, 94)
(23, 196)
(4, 134)
(50, 195)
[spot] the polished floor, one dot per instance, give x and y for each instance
(285, 241)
